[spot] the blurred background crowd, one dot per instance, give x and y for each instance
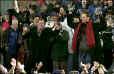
(57, 37)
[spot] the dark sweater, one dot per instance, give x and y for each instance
(83, 41)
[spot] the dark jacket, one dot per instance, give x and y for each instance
(3, 40)
(70, 20)
(60, 46)
(39, 45)
(40, 48)
(13, 38)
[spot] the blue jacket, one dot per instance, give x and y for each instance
(91, 10)
(13, 41)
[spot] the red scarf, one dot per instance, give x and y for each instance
(89, 36)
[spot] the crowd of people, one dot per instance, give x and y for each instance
(62, 37)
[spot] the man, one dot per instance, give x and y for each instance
(84, 6)
(70, 25)
(3, 42)
(39, 47)
(35, 21)
(13, 40)
(51, 20)
(109, 6)
(83, 41)
(6, 23)
(59, 53)
(95, 10)
(107, 39)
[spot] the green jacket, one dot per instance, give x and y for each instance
(60, 46)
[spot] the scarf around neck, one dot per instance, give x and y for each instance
(89, 36)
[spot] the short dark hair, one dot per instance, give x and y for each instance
(42, 19)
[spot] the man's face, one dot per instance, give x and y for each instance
(55, 18)
(84, 18)
(41, 24)
(110, 3)
(84, 4)
(36, 20)
(7, 17)
(57, 26)
(69, 5)
(76, 20)
(95, 2)
(62, 10)
(57, 5)
(105, 2)
(15, 23)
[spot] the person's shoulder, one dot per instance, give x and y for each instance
(91, 7)
(32, 28)
(9, 29)
(64, 31)
(47, 30)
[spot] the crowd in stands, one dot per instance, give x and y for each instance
(62, 37)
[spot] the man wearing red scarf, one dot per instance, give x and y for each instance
(83, 41)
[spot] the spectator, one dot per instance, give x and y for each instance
(5, 24)
(98, 26)
(72, 16)
(81, 45)
(95, 10)
(73, 20)
(39, 47)
(13, 40)
(70, 7)
(35, 21)
(55, 45)
(3, 42)
(109, 6)
(52, 20)
(84, 6)
(31, 18)
(57, 7)
(60, 48)
(92, 7)
(70, 52)
(62, 14)
(107, 37)
(24, 49)
(85, 68)
(69, 25)
(24, 16)
(98, 68)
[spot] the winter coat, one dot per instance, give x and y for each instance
(13, 38)
(40, 48)
(60, 46)
(3, 40)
